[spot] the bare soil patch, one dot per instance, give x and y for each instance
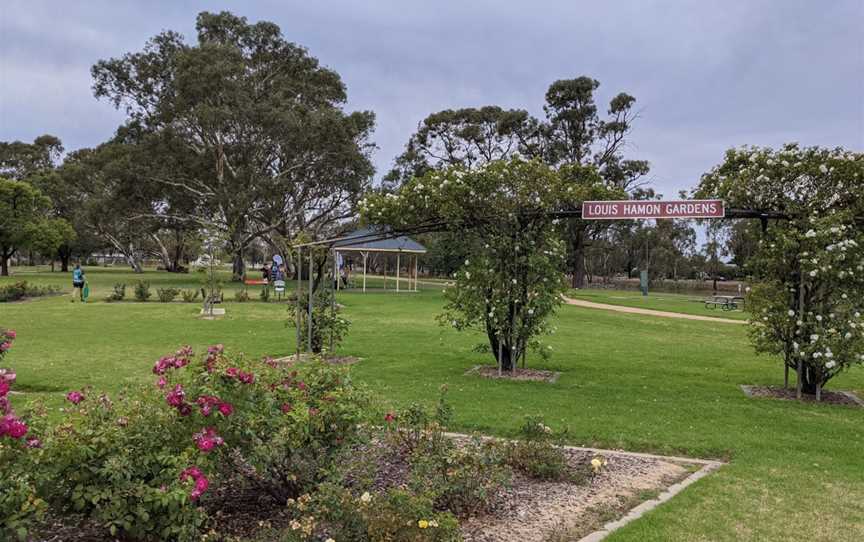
(330, 360)
(830, 397)
(533, 375)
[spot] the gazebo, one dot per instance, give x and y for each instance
(366, 241)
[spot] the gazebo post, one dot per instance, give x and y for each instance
(398, 264)
(365, 255)
(336, 268)
(415, 271)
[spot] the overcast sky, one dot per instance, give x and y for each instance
(707, 75)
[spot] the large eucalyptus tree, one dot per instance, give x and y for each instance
(257, 121)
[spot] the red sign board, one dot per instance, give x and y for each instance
(614, 210)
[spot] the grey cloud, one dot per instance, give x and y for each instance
(706, 75)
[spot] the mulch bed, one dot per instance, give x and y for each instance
(532, 510)
(288, 361)
(532, 375)
(830, 397)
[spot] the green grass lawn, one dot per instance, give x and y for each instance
(642, 383)
(684, 303)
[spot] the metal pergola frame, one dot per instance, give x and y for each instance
(440, 225)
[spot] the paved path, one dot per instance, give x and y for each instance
(649, 312)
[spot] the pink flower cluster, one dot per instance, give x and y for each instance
(235, 373)
(178, 360)
(176, 398)
(207, 439)
(75, 397)
(209, 402)
(12, 426)
(201, 481)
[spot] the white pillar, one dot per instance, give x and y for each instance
(415, 272)
(398, 264)
(365, 255)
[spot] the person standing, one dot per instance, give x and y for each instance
(77, 283)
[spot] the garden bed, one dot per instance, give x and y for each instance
(788, 394)
(532, 375)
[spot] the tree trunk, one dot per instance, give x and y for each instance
(577, 256)
(65, 255)
(178, 256)
(810, 380)
(238, 267)
(163, 253)
(4, 262)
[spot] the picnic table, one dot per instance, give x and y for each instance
(725, 302)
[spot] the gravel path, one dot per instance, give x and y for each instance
(649, 312)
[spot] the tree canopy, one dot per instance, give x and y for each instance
(808, 269)
(24, 223)
(511, 283)
(255, 123)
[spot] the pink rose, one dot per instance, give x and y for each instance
(75, 397)
(10, 333)
(190, 472)
(4, 346)
(17, 429)
(4, 388)
(226, 409)
(207, 439)
(201, 485)
(175, 397)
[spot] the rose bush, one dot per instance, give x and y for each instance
(20, 448)
(145, 464)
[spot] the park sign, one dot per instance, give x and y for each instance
(617, 210)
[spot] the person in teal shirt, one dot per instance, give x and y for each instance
(77, 283)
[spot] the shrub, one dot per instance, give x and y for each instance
(394, 515)
(463, 478)
(189, 295)
(20, 505)
(142, 291)
(119, 292)
(241, 296)
(535, 453)
(327, 322)
(23, 289)
(143, 466)
(167, 295)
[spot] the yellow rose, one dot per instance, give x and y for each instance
(423, 524)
